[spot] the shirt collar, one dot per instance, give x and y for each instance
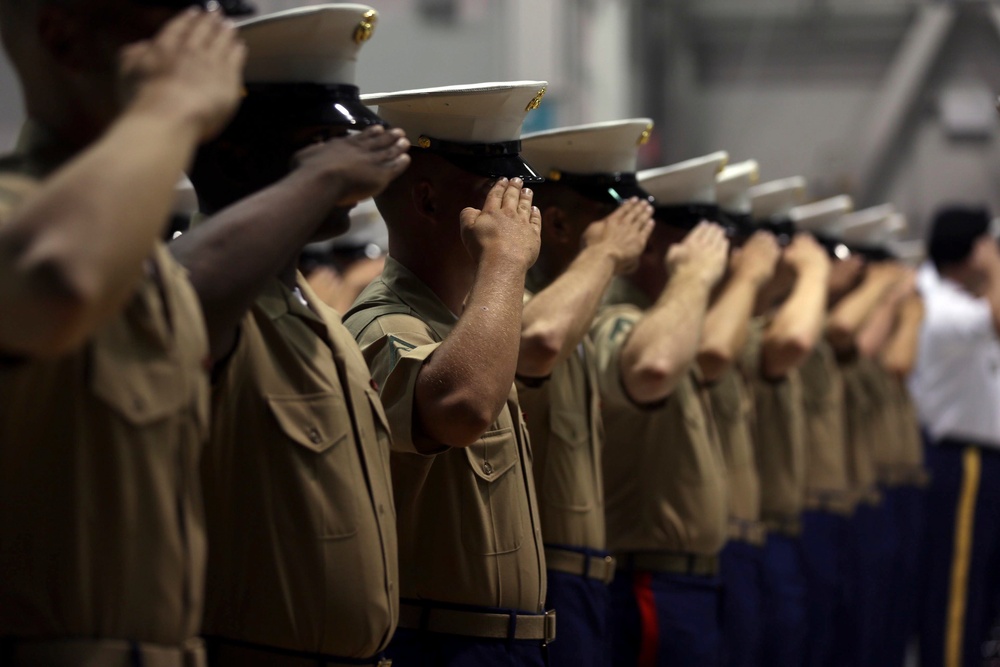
(622, 290)
(415, 293)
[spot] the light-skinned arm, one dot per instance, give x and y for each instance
(728, 320)
(663, 344)
(72, 254)
(899, 355)
(556, 319)
(849, 315)
(878, 328)
(798, 323)
(464, 385)
(230, 257)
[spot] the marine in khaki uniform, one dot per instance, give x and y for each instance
(726, 331)
(302, 561)
(663, 469)
(791, 309)
(103, 390)
(591, 168)
(440, 330)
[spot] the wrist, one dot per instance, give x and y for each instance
(694, 274)
(604, 255)
(505, 259)
(157, 105)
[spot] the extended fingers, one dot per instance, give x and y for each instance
(177, 29)
(536, 217)
(512, 195)
(494, 198)
(524, 203)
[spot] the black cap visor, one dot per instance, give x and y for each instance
(687, 216)
(496, 160)
(609, 188)
(309, 104)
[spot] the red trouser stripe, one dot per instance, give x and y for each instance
(649, 646)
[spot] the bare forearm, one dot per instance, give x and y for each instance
(993, 297)
(78, 244)
(726, 326)
(796, 327)
(231, 256)
(877, 329)
(847, 318)
(663, 344)
(465, 383)
(556, 319)
(900, 353)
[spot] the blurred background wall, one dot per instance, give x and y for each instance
(887, 100)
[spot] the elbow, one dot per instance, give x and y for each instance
(539, 353)
(651, 381)
(780, 356)
(460, 421)
(713, 363)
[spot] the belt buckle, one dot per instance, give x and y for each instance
(550, 626)
(384, 662)
(609, 569)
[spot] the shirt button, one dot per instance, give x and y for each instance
(314, 436)
(488, 468)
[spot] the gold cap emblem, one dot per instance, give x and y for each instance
(555, 175)
(423, 142)
(366, 28)
(644, 137)
(536, 101)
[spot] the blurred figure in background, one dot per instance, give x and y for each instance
(956, 386)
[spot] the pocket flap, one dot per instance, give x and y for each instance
(142, 391)
(311, 420)
(493, 454)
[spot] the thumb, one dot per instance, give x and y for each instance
(468, 216)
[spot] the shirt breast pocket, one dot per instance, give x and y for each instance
(140, 391)
(569, 479)
(324, 463)
(493, 524)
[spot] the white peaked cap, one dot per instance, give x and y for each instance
(481, 113)
(866, 226)
(315, 44)
(775, 199)
(597, 148)
(688, 182)
(912, 253)
(822, 216)
(732, 186)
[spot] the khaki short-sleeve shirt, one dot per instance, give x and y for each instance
(101, 522)
(780, 434)
(827, 480)
(859, 404)
(468, 524)
(664, 474)
(911, 470)
(732, 408)
(297, 490)
(563, 415)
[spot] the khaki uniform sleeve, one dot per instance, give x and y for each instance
(395, 360)
(610, 331)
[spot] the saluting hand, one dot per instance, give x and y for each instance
(192, 67)
(757, 260)
(805, 253)
(361, 165)
(623, 234)
(507, 228)
(702, 254)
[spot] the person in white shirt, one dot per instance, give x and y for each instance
(956, 386)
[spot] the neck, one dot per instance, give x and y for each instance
(448, 274)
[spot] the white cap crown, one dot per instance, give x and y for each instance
(597, 148)
(775, 199)
(732, 186)
(688, 182)
(822, 216)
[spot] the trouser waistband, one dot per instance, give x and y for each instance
(224, 651)
(589, 566)
(789, 526)
(669, 562)
(831, 502)
(477, 622)
(98, 652)
(751, 532)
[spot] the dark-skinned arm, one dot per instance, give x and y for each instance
(72, 253)
(231, 256)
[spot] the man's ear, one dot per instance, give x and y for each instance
(425, 199)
